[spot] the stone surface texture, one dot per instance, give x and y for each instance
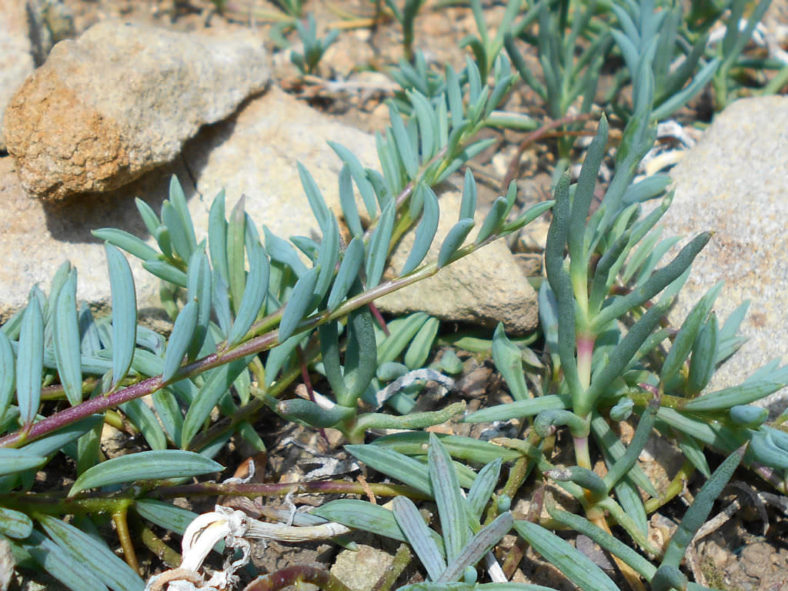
(121, 100)
(361, 569)
(16, 58)
(253, 153)
(486, 287)
(733, 182)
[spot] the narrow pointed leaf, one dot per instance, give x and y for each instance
(200, 291)
(575, 565)
(454, 240)
(508, 360)
(7, 373)
(217, 383)
(699, 511)
(483, 487)
(217, 236)
(362, 515)
(425, 233)
(254, 294)
(360, 178)
(236, 235)
(146, 465)
(419, 349)
(180, 339)
(15, 524)
(348, 272)
(127, 242)
(347, 201)
(142, 417)
(479, 545)
(412, 524)
(167, 272)
(17, 460)
(379, 246)
(61, 564)
(301, 302)
(468, 204)
(393, 464)
(93, 553)
(30, 362)
(451, 504)
(316, 201)
(178, 200)
(124, 313)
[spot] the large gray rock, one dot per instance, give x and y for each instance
(733, 182)
(16, 58)
(122, 100)
(253, 153)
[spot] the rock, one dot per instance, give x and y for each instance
(486, 287)
(253, 153)
(360, 570)
(16, 59)
(121, 100)
(733, 183)
(6, 564)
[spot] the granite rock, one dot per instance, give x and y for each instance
(121, 100)
(733, 183)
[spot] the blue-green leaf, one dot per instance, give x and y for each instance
(167, 272)
(575, 565)
(425, 233)
(479, 545)
(508, 360)
(360, 178)
(124, 313)
(146, 465)
(254, 294)
(180, 339)
(412, 524)
(217, 236)
(468, 204)
(7, 373)
(30, 362)
(394, 464)
(217, 383)
(454, 240)
(200, 291)
(362, 515)
(127, 242)
(315, 197)
(61, 564)
(93, 553)
(236, 236)
(483, 487)
(451, 504)
(19, 460)
(348, 272)
(379, 245)
(347, 201)
(145, 420)
(301, 302)
(15, 524)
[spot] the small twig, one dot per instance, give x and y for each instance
(514, 166)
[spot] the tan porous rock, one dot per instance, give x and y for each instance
(16, 58)
(121, 100)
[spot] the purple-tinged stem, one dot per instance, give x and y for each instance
(293, 575)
